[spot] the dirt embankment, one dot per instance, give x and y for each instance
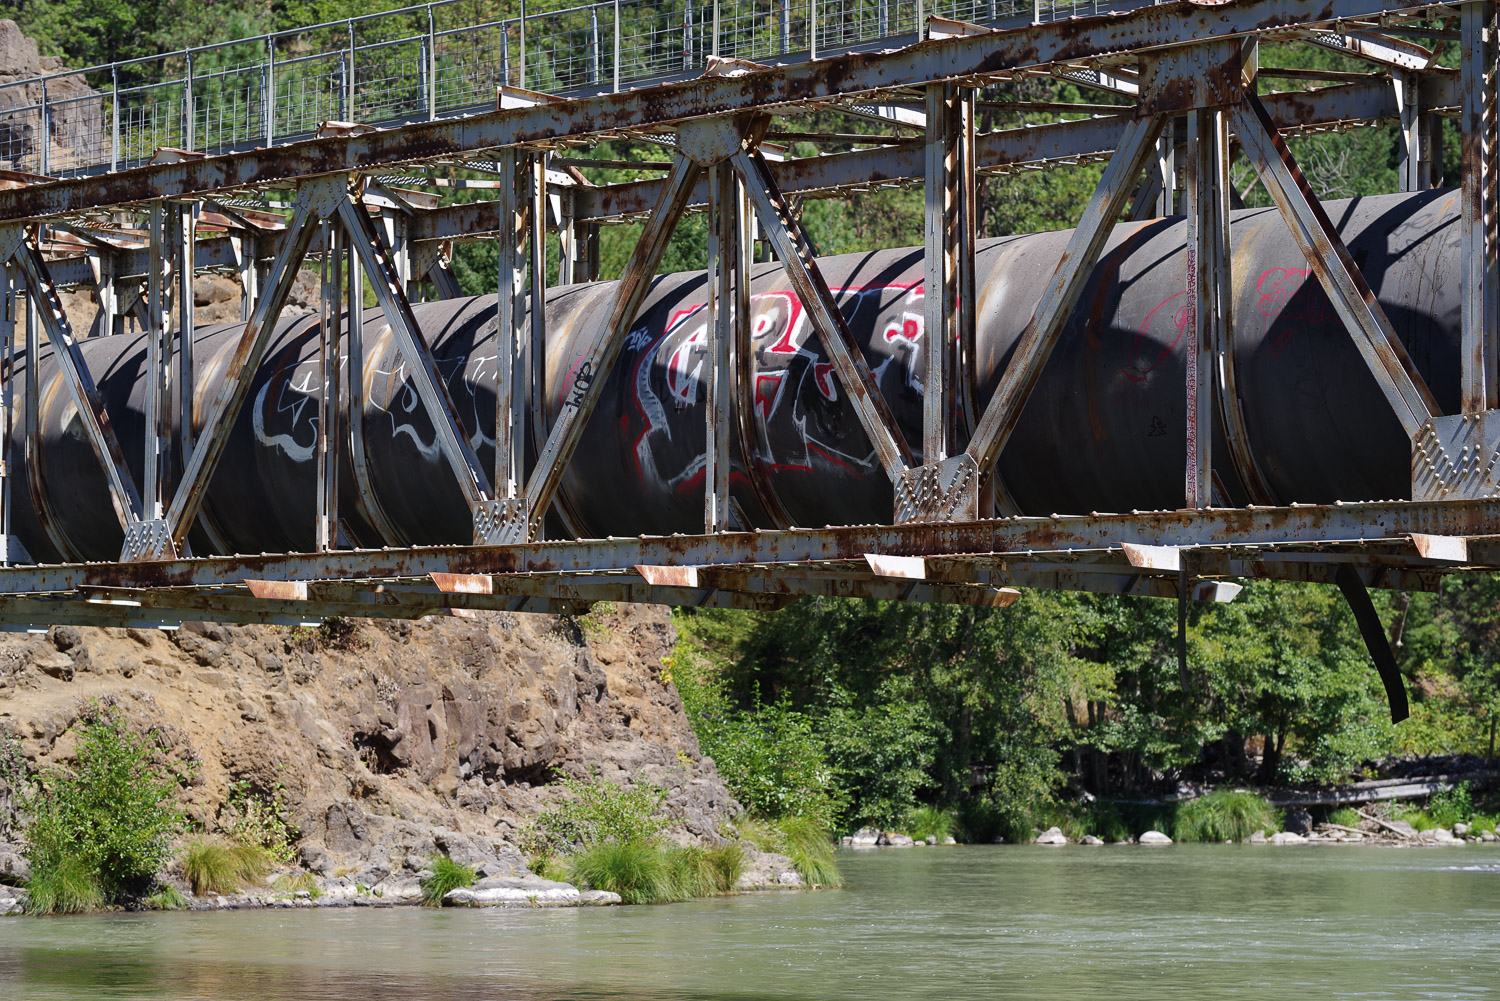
(393, 741)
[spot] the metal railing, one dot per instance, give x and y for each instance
(427, 62)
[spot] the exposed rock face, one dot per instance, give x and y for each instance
(76, 115)
(392, 743)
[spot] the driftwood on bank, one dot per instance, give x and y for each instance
(1378, 790)
(1386, 824)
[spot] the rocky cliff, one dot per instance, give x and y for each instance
(392, 740)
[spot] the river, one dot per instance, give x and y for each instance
(1114, 922)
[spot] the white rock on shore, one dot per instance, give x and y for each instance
(512, 890)
(1287, 838)
(1052, 836)
(1155, 838)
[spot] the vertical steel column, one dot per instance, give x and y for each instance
(7, 408)
(354, 388)
(687, 35)
(567, 238)
(511, 355)
(432, 71)
(164, 241)
(1208, 293)
(348, 94)
(725, 275)
(965, 337)
(1409, 170)
(244, 249)
(593, 77)
(268, 86)
(189, 112)
(618, 30)
(534, 385)
(114, 118)
(32, 386)
(105, 292)
(331, 309)
(45, 134)
(187, 231)
(1477, 337)
(523, 44)
(1166, 169)
(940, 287)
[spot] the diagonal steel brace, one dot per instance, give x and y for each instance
(794, 251)
(593, 369)
(1330, 260)
(91, 410)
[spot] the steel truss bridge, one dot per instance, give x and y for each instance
(1181, 81)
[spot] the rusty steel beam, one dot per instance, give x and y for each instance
(951, 59)
(1300, 525)
(1368, 102)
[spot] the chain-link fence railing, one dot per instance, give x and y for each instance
(431, 61)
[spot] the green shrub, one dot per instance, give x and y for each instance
(600, 811)
(219, 865)
(640, 872)
(1225, 815)
(260, 818)
(548, 867)
(931, 823)
(165, 898)
(1451, 807)
(65, 885)
(112, 816)
(446, 875)
(1345, 816)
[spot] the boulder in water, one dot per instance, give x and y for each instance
(1155, 838)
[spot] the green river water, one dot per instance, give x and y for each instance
(1185, 921)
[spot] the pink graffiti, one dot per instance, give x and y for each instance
(1139, 362)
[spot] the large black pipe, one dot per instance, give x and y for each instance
(1103, 430)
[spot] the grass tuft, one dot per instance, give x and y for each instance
(67, 886)
(1345, 816)
(806, 842)
(640, 872)
(296, 882)
(1225, 815)
(728, 862)
(446, 875)
(166, 898)
(214, 865)
(931, 823)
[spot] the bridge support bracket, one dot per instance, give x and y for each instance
(502, 522)
(1457, 457)
(148, 541)
(941, 491)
